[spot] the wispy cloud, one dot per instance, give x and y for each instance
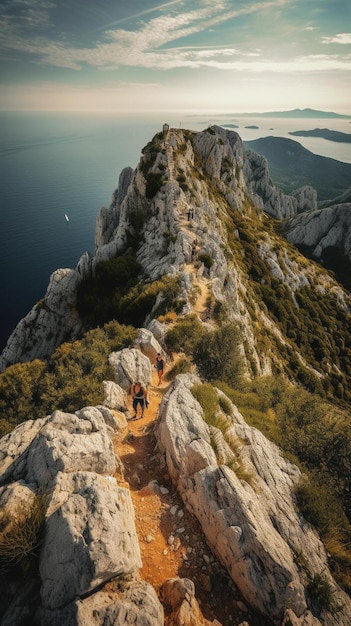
(146, 47)
(152, 45)
(342, 38)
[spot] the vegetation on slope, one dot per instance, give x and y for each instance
(313, 353)
(311, 319)
(116, 292)
(71, 378)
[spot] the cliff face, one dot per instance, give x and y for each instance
(193, 196)
(195, 208)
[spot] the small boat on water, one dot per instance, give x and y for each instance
(66, 217)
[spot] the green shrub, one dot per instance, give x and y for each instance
(140, 300)
(319, 504)
(182, 366)
(207, 397)
(184, 335)
(75, 371)
(19, 395)
(206, 259)
(98, 298)
(217, 355)
(321, 594)
(154, 182)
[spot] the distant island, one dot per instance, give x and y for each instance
(253, 127)
(302, 113)
(325, 133)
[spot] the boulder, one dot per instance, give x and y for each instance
(135, 605)
(90, 537)
(114, 396)
(148, 344)
(68, 443)
(182, 608)
(130, 366)
(158, 330)
(14, 449)
(14, 500)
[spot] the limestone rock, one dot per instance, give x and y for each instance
(130, 366)
(14, 449)
(108, 218)
(15, 499)
(182, 609)
(114, 396)
(307, 619)
(148, 344)
(253, 527)
(54, 319)
(319, 230)
(271, 199)
(68, 443)
(306, 199)
(138, 605)
(90, 537)
(158, 330)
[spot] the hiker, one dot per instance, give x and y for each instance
(159, 364)
(139, 397)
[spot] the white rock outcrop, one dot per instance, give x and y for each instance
(48, 323)
(166, 246)
(319, 230)
(89, 537)
(138, 605)
(254, 527)
(89, 534)
(130, 366)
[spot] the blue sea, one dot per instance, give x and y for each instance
(52, 164)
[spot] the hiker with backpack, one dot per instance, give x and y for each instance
(139, 394)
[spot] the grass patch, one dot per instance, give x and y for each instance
(21, 535)
(182, 366)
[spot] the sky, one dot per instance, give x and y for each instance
(184, 56)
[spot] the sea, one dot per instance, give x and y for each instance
(54, 165)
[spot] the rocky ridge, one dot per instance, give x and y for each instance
(322, 229)
(206, 190)
(205, 182)
(252, 526)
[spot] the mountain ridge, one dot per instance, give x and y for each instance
(198, 215)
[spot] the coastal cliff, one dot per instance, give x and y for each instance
(194, 235)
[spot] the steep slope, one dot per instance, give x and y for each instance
(325, 236)
(187, 244)
(197, 200)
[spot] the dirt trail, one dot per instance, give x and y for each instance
(171, 540)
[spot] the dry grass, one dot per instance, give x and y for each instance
(21, 535)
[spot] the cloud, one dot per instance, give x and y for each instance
(342, 38)
(145, 47)
(153, 44)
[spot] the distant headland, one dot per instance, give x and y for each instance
(299, 113)
(325, 133)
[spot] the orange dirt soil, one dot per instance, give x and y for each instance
(171, 540)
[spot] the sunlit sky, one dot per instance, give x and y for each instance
(191, 56)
